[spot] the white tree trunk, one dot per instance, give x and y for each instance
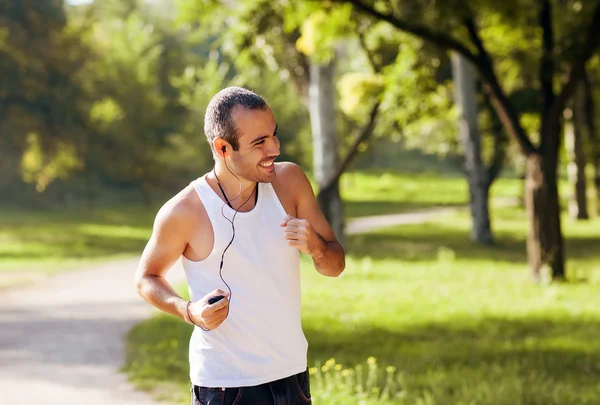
(465, 94)
(325, 145)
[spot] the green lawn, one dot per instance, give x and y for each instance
(375, 194)
(435, 318)
(34, 243)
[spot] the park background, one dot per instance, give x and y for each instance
(477, 120)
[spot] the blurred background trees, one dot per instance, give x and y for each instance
(104, 101)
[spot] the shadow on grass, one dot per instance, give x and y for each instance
(423, 243)
(469, 359)
(485, 340)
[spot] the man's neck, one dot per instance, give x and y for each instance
(231, 186)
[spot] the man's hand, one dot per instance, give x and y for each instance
(300, 234)
(210, 316)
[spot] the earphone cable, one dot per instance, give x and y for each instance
(231, 221)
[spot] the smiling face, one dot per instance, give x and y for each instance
(258, 145)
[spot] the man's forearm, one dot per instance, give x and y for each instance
(157, 291)
(329, 258)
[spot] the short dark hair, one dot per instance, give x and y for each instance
(218, 122)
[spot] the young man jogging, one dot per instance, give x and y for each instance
(239, 230)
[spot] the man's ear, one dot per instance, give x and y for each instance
(221, 147)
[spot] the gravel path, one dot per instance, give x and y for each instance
(62, 338)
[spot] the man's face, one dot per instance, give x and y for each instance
(258, 145)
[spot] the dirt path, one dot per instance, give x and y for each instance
(62, 339)
(366, 224)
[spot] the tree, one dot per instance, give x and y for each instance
(411, 81)
(575, 129)
(322, 106)
(43, 106)
(594, 141)
(545, 241)
(479, 185)
(150, 94)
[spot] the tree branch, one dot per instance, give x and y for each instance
(506, 111)
(578, 67)
(366, 132)
(500, 140)
(441, 39)
(370, 56)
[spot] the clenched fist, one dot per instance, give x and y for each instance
(300, 234)
(210, 316)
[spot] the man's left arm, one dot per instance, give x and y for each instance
(310, 232)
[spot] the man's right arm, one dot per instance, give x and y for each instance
(167, 243)
(172, 230)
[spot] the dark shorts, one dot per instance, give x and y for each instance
(293, 390)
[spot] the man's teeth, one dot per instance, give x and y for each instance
(266, 164)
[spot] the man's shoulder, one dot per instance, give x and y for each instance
(289, 171)
(182, 208)
(292, 178)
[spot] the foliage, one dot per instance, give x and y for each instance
(142, 117)
(259, 51)
(41, 57)
(137, 86)
(42, 171)
(115, 91)
(417, 102)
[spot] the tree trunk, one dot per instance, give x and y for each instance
(465, 94)
(592, 137)
(574, 142)
(325, 145)
(544, 241)
(545, 244)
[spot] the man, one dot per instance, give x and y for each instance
(239, 230)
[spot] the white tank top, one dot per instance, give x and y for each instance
(262, 338)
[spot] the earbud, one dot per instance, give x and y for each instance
(223, 149)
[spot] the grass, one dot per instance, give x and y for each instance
(429, 318)
(34, 243)
(374, 194)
